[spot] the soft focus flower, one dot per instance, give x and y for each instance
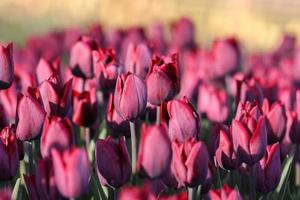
(46, 69)
(6, 66)
(225, 193)
(136, 193)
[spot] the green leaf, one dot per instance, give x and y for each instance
(282, 186)
(16, 189)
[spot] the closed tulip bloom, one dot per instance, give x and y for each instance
(115, 155)
(81, 60)
(9, 156)
(138, 59)
(8, 99)
(30, 117)
(136, 193)
(276, 120)
(44, 179)
(250, 90)
(183, 120)
(57, 133)
(163, 79)
(115, 122)
(189, 163)
(225, 157)
(292, 125)
(130, 98)
(268, 169)
(213, 102)
(85, 107)
(71, 171)
(225, 193)
(154, 162)
(6, 66)
(46, 69)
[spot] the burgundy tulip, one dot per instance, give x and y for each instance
(183, 120)
(30, 117)
(71, 171)
(138, 59)
(276, 120)
(268, 169)
(6, 66)
(294, 132)
(189, 163)
(225, 193)
(130, 97)
(163, 79)
(116, 123)
(115, 155)
(81, 60)
(46, 69)
(57, 133)
(154, 162)
(9, 156)
(44, 179)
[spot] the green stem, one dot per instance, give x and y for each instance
(192, 193)
(219, 178)
(133, 146)
(158, 115)
(87, 138)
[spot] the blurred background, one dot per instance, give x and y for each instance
(257, 23)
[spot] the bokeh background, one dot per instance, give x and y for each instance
(257, 23)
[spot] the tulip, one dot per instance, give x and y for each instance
(8, 99)
(225, 157)
(293, 126)
(81, 61)
(206, 185)
(138, 59)
(9, 155)
(71, 171)
(3, 118)
(6, 66)
(5, 194)
(115, 122)
(178, 196)
(116, 155)
(46, 69)
(57, 133)
(157, 39)
(44, 179)
(268, 169)
(136, 193)
(182, 33)
(225, 193)
(30, 117)
(30, 184)
(85, 107)
(276, 120)
(163, 79)
(189, 163)
(213, 102)
(154, 162)
(183, 120)
(130, 97)
(251, 91)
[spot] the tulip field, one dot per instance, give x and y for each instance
(134, 114)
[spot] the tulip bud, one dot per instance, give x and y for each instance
(213, 102)
(183, 120)
(30, 117)
(163, 79)
(9, 156)
(189, 162)
(276, 120)
(6, 66)
(71, 171)
(225, 157)
(130, 98)
(85, 107)
(225, 193)
(154, 162)
(114, 154)
(57, 133)
(81, 61)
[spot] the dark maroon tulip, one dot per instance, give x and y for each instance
(57, 133)
(30, 117)
(30, 185)
(213, 101)
(46, 69)
(9, 155)
(251, 91)
(81, 60)
(183, 120)
(189, 163)
(136, 193)
(6, 66)
(116, 123)
(154, 162)
(225, 193)
(163, 79)
(276, 120)
(286, 142)
(44, 179)
(130, 98)
(225, 157)
(5, 194)
(3, 118)
(138, 59)
(115, 155)
(56, 99)
(206, 185)
(71, 171)
(268, 169)
(85, 108)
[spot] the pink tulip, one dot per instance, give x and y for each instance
(46, 69)
(136, 193)
(5, 194)
(225, 193)
(6, 66)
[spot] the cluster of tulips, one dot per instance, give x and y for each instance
(130, 115)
